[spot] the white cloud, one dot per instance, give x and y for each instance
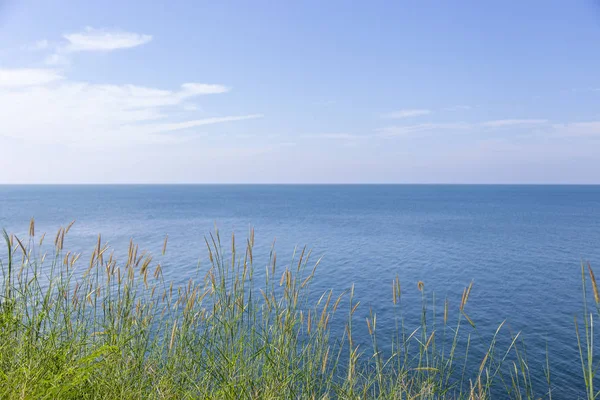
(200, 122)
(42, 107)
(510, 122)
(407, 113)
(37, 107)
(202, 88)
(90, 39)
(407, 130)
(335, 136)
(11, 78)
(103, 40)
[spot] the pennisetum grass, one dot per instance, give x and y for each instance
(117, 329)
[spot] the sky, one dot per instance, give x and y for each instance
(300, 92)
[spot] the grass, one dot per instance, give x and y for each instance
(72, 329)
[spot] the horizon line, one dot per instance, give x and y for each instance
(305, 184)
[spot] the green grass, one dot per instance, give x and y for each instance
(108, 328)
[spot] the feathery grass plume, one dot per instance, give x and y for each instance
(24, 252)
(396, 291)
(172, 341)
(42, 239)
(594, 286)
(164, 249)
(430, 339)
(355, 307)
(69, 226)
(57, 238)
(465, 296)
(446, 305)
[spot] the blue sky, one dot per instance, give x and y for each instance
(300, 92)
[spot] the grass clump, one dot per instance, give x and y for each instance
(107, 329)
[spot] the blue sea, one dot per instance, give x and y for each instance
(522, 246)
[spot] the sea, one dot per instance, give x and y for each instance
(522, 246)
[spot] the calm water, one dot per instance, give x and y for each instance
(522, 245)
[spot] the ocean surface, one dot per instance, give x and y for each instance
(522, 246)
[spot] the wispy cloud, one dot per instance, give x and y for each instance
(88, 40)
(41, 106)
(532, 129)
(406, 113)
(192, 89)
(511, 122)
(12, 78)
(200, 122)
(334, 136)
(91, 39)
(408, 130)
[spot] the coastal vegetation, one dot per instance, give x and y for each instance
(76, 326)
